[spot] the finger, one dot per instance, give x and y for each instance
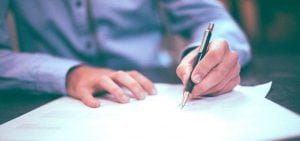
(144, 82)
(213, 76)
(185, 67)
(232, 74)
(88, 99)
(230, 86)
(215, 55)
(106, 83)
(226, 70)
(183, 72)
(218, 74)
(131, 84)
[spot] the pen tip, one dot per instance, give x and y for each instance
(185, 98)
(182, 105)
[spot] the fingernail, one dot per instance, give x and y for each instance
(125, 99)
(142, 95)
(196, 78)
(96, 103)
(153, 92)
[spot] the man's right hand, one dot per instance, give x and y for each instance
(84, 81)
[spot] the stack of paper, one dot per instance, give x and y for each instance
(243, 114)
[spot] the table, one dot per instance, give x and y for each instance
(282, 68)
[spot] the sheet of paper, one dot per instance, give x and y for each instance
(243, 114)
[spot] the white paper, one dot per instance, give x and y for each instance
(243, 114)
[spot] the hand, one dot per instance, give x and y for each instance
(84, 81)
(217, 73)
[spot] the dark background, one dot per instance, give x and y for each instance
(273, 30)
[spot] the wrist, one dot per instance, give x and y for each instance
(70, 74)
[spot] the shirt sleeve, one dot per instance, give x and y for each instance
(29, 71)
(190, 18)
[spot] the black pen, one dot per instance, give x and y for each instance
(202, 49)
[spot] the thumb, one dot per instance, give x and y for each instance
(89, 100)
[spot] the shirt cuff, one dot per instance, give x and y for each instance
(51, 74)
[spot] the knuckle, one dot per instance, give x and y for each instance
(222, 44)
(133, 84)
(213, 55)
(103, 79)
(220, 72)
(134, 73)
(135, 87)
(225, 44)
(145, 82)
(234, 56)
(216, 56)
(119, 73)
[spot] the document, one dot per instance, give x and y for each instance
(243, 114)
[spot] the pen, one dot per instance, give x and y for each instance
(202, 49)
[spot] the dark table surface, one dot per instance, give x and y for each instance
(282, 68)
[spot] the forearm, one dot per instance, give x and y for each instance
(36, 72)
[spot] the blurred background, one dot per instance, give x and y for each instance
(271, 25)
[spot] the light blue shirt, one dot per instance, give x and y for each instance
(56, 35)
